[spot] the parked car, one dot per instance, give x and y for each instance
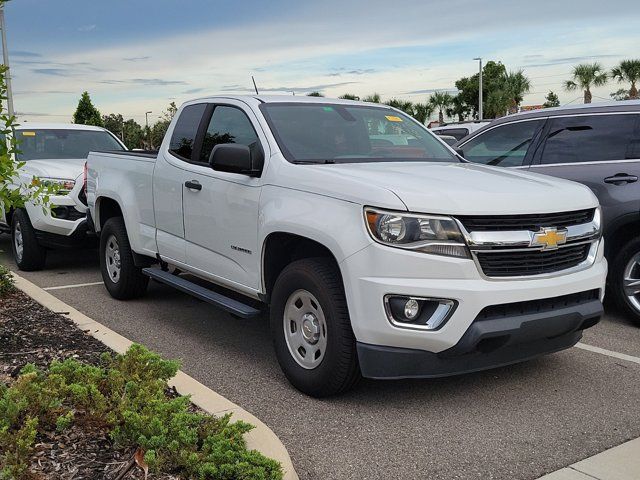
(56, 154)
(460, 129)
(448, 139)
(597, 145)
(391, 260)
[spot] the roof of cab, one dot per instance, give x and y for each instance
(57, 126)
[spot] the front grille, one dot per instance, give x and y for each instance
(531, 262)
(525, 222)
(536, 306)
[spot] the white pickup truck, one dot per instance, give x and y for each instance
(379, 252)
(54, 153)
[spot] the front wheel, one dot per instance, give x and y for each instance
(625, 279)
(27, 252)
(120, 275)
(311, 329)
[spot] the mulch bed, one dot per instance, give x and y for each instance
(30, 333)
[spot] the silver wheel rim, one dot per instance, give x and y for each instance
(112, 257)
(305, 329)
(18, 241)
(631, 281)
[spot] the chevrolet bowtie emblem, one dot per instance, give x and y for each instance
(549, 238)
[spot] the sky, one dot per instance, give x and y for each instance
(135, 56)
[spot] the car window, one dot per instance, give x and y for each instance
(505, 145)
(229, 125)
(62, 144)
(587, 138)
(185, 131)
(459, 133)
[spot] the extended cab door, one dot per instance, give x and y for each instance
(221, 208)
(601, 151)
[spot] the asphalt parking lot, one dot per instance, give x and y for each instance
(517, 422)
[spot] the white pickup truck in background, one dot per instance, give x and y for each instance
(379, 252)
(56, 154)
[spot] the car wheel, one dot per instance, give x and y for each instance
(120, 275)
(311, 329)
(29, 255)
(625, 280)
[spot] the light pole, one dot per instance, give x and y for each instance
(5, 57)
(480, 90)
(146, 124)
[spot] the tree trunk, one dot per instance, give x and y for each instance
(441, 117)
(633, 92)
(587, 96)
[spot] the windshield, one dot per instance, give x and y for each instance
(330, 133)
(53, 144)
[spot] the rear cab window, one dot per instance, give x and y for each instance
(184, 134)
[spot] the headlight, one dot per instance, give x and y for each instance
(423, 233)
(61, 186)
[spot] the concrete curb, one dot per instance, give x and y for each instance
(261, 438)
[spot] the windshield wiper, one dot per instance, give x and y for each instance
(313, 162)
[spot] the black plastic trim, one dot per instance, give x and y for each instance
(81, 237)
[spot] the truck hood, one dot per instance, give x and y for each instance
(455, 188)
(69, 168)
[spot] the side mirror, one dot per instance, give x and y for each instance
(233, 158)
(460, 152)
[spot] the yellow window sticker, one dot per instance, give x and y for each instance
(393, 118)
(28, 134)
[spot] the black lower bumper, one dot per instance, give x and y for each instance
(81, 237)
(488, 343)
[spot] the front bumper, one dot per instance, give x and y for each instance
(487, 343)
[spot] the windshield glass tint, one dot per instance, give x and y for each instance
(40, 144)
(343, 134)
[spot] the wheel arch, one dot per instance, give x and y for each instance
(621, 231)
(106, 208)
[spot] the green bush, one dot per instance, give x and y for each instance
(6, 281)
(127, 394)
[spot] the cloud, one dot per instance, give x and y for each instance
(87, 28)
(144, 81)
(41, 92)
(297, 89)
(432, 90)
(24, 53)
(135, 59)
(56, 72)
(562, 61)
(361, 71)
(194, 90)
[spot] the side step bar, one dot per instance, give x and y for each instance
(228, 304)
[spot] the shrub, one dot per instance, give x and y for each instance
(127, 394)
(6, 281)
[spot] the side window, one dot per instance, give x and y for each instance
(185, 131)
(586, 138)
(229, 125)
(505, 145)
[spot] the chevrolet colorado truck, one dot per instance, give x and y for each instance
(377, 250)
(56, 154)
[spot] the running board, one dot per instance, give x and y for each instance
(228, 304)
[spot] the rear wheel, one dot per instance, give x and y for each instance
(625, 281)
(27, 252)
(120, 275)
(311, 329)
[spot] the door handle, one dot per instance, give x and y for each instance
(193, 185)
(621, 178)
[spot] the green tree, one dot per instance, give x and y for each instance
(315, 94)
(113, 122)
(86, 113)
(404, 105)
(15, 191)
(493, 75)
(133, 134)
(585, 76)
(349, 96)
(459, 109)
(373, 98)
(620, 94)
(440, 101)
(516, 85)
(159, 129)
(552, 100)
(422, 112)
(628, 71)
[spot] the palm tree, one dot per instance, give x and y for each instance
(422, 112)
(585, 76)
(374, 98)
(404, 105)
(315, 94)
(628, 71)
(441, 101)
(349, 96)
(516, 85)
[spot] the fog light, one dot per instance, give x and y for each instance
(411, 309)
(418, 313)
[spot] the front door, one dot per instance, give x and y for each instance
(221, 208)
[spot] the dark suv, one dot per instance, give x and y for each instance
(597, 145)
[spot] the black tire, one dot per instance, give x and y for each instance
(338, 370)
(130, 282)
(33, 255)
(616, 279)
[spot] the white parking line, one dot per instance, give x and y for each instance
(62, 287)
(609, 353)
